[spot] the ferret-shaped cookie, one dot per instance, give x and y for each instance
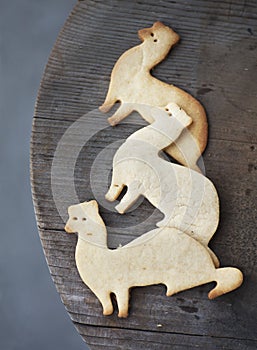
(188, 200)
(133, 86)
(166, 256)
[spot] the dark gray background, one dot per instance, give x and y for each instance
(31, 313)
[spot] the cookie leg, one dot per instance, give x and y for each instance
(122, 112)
(130, 197)
(105, 300)
(108, 103)
(123, 303)
(114, 192)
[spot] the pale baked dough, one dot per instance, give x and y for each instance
(133, 86)
(188, 200)
(166, 256)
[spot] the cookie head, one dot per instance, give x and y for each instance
(81, 215)
(159, 35)
(175, 111)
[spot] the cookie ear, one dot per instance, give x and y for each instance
(158, 24)
(90, 209)
(89, 205)
(93, 204)
(144, 33)
(72, 209)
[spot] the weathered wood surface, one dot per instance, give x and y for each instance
(216, 61)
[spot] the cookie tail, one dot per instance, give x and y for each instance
(228, 279)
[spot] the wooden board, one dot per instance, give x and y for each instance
(216, 61)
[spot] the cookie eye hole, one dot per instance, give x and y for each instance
(84, 219)
(170, 114)
(167, 109)
(74, 218)
(152, 34)
(155, 40)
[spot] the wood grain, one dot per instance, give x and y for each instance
(216, 62)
